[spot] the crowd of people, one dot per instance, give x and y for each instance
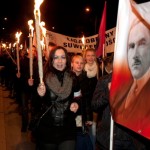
(75, 97)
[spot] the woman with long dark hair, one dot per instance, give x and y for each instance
(57, 128)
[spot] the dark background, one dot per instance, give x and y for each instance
(67, 16)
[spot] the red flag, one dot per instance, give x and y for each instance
(102, 28)
(129, 93)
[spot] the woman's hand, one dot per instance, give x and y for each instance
(41, 89)
(74, 107)
(30, 82)
(89, 123)
(18, 74)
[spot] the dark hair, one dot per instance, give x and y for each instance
(108, 59)
(51, 44)
(49, 65)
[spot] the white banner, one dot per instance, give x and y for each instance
(75, 45)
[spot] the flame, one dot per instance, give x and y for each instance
(9, 45)
(3, 45)
(42, 24)
(21, 46)
(83, 40)
(37, 7)
(18, 34)
(30, 22)
(42, 43)
(14, 44)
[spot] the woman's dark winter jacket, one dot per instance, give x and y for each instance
(59, 123)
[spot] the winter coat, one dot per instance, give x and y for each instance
(84, 102)
(59, 123)
(100, 103)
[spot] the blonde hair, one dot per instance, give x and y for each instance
(76, 56)
(89, 50)
(84, 56)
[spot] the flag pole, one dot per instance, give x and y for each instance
(103, 55)
(111, 133)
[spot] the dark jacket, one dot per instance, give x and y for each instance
(59, 123)
(84, 102)
(100, 103)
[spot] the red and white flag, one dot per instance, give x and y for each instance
(129, 93)
(101, 34)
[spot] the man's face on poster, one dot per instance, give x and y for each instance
(139, 50)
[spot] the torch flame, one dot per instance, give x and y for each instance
(30, 22)
(37, 7)
(42, 43)
(18, 34)
(14, 44)
(83, 40)
(42, 24)
(4, 45)
(10, 45)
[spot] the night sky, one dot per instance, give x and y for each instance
(67, 16)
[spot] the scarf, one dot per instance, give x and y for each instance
(61, 90)
(91, 70)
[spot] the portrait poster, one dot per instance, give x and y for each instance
(130, 87)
